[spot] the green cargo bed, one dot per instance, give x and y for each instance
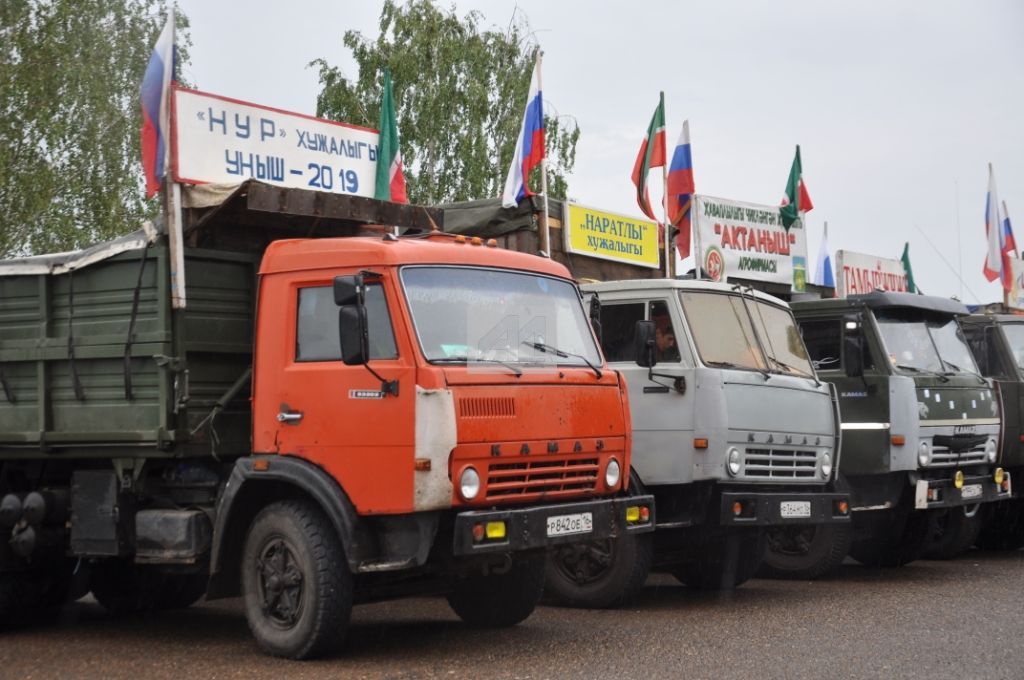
(67, 324)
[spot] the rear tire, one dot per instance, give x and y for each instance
(500, 600)
(896, 543)
(1003, 527)
(953, 532)
(32, 596)
(724, 562)
(295, 581)
(124, 588)
(805, 551)
(598, 574)
(181, 591)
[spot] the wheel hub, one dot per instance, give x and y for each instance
(280, 583)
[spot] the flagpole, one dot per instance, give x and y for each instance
(173, 215)
(664, 200)
(545, 244)
(698, 257)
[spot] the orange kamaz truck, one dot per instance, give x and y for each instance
(314, 422)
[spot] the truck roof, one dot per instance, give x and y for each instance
(996, 318)
(678, 284)
(367, 251)
(887, 300)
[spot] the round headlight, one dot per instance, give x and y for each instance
(612, 473)
(734, 464)
(469, 484)
(924, 453)
(826, 465)
(990, 450)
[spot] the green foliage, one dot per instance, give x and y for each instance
(70, 71)
(460, 92)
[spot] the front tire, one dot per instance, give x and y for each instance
(806, 551)
(1003, 527)
(500, 600)
(295, 581)
(896, 543)
(724, 562)
(599, 574)
(953, 532)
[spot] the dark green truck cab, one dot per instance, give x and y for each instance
(920, 424)
(997, 342)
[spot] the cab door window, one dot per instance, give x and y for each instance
(618, 329)
(666, 346)
(317, 333)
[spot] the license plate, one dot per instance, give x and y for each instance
(795, 508)
(971, 491)
(564, 525)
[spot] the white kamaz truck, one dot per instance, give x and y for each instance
(733, 434)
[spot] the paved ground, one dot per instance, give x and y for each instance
(959, 619)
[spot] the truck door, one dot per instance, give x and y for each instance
(338, 416)
(662, 417)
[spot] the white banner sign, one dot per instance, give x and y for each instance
(857, 274)
(1016, 296)
(747, 241)
(221, 140)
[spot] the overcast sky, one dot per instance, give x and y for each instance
(898, 107)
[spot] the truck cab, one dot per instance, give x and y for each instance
(920, 424)
(733, 433)
(997, 343)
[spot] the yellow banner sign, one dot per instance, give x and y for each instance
(610, 236)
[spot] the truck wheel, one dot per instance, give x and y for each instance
(1003, 527)
(295, 581)
(32, 596)
(500, 600)
(953, 532)
(805, 551)
(16, 601)
(598, 574)
(898, 543)
(724, 562)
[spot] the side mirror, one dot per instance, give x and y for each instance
(853, 346)
(348, 290)
(644, 344)
(595, 315)
(352, 330)
(350, 296)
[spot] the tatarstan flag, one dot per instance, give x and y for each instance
(796, 200)
(651, 155)
(390, 179)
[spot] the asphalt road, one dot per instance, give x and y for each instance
(958, 619)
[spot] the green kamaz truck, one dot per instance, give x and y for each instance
(920, 427)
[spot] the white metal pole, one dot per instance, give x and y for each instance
(664, 195)
(543, 166)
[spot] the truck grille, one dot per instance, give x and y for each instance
(780, 464)
(943, 457)
(549, 477)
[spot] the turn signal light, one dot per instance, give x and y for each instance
(843, 507)
(700, 443)
(495, 530)
(478, 533)
(633, 513)
(1005, 486)
(476, 240)
(999, 476)
(261, 464)
(898, 440)
(492, 242)
(645, 514)
(958, 479)
(422, 465)
(737, 508)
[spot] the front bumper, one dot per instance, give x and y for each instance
(766, 508)
(942, 493)
(527, 528)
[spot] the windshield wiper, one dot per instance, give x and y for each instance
(463, 359)
(548, 349)
(926, 371)
(721, 364)
(793, 369)
(957, 369)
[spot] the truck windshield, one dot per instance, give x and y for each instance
(1015, 337)
(916, 344)
(724, 333)
(465, 314)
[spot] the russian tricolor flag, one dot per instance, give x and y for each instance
(1001, 244)
(529, 147)
(681, 189)
(156, 120)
